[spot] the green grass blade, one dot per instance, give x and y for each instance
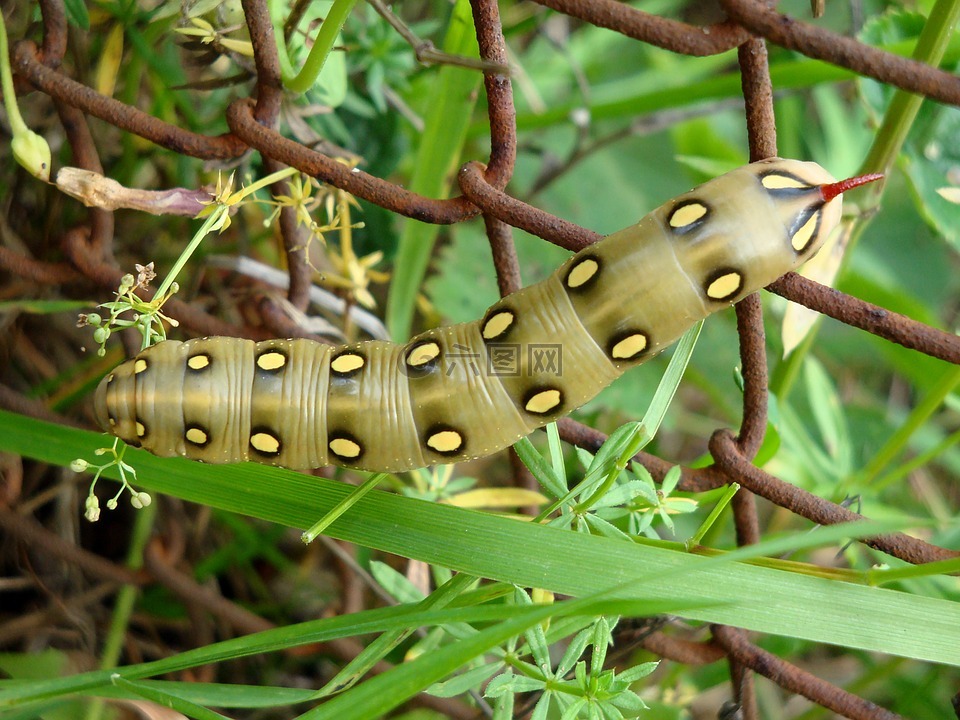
(19, 693)
(670, 381)
(531, 555)
(163, 698)
(445, 128)
(913, 424)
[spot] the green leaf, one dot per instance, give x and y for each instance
(463, 682)
(760, 598)
(829, 416)
(930, 152)
(166, 699)
(541, 469)
(448, 114)
(44, 307)
(399, 587)
(77, 13)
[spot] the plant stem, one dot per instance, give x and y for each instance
(322, 45)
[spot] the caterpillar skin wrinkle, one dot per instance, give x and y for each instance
(468, 390)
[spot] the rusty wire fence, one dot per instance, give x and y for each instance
(87, 252)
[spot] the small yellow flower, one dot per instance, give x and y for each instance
(354, 274)
(209, 35)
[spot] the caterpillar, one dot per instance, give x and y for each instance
(465, 391)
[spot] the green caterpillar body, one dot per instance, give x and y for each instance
(468, 390)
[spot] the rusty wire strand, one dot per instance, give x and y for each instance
(757, 92)
(47, 273)
(294, 242)
(668, 34)
(505, 260)
(742, 681)
(54, 45)
(86, 156)
(269, 88)
(517, 213)
(866, 316)
(119, 114)
(680, 650)
(355, 181)
(762, 138)
(727, 455)
(816, 42)
(19, 403)
(794, 679)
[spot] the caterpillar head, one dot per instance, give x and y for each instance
(808, 200)
(112, 405)
(741, 231)
(130, 399)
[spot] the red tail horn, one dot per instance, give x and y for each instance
(829, 192)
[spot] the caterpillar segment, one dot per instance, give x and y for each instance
(468, 390)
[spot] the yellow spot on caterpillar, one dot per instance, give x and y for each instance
(112, 421)
(582, 272)
(198, 362)
(774, 181)
(687, 214)
(802, 237)
(445, 441)
(345, 448)
(265, 442)
(196, 436)
(543, 402)
(725, 286)
(629, 347)
(347, 362)
(141, 430)
(497, 324)
(422, 354)
(139, 365)
(271, 360)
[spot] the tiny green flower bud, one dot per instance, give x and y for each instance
(141, 500)
(100, 335)
(112, 504)
(79, 465)
(92, 508)
(32, 152)
(94, 319)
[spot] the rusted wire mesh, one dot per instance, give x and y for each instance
(89, 261)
